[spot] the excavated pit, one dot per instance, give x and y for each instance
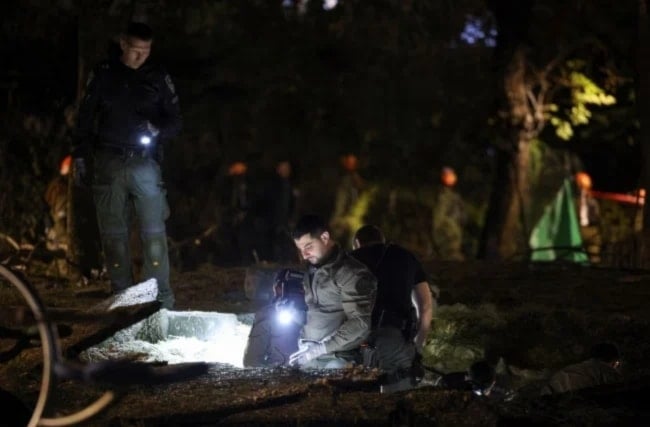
(179, 337)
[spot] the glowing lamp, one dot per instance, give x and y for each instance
(583, 180)
(237, 169)
(350, 162)
(66, 163)
(448, 177)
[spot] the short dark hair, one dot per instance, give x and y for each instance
(369, 234)
(139, 30)
(606, 352)
(310, 224)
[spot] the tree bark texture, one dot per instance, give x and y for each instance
(506, 227)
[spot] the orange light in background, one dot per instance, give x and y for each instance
(633, 199)
(350, 162)
(583, 180)
(641, 196)
(237, 168)
(66, 164)
(448, 177)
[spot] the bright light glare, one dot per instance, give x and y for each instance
(145, 140)
(330, 4)
(285, 316)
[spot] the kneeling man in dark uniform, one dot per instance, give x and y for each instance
(401, 318)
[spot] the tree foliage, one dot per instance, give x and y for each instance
(409, 86)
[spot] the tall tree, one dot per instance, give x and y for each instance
(538, 43)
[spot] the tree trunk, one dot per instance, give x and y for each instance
(490, 238)
(514, 232)
(505, 231)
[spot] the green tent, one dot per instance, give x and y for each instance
(556, 236)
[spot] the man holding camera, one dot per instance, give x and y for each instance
(130, 107)
(340, 294)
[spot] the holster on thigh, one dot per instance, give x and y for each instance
(369, 356)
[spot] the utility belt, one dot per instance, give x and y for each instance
(127, 151)
(390, 319)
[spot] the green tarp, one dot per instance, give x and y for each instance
(556, 236)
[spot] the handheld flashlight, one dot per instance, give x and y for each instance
(145, 140)
(285, 316)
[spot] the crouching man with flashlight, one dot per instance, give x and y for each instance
(130, 106)
(339, 293)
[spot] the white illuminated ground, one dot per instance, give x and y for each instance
(173, 336)
(201, 337)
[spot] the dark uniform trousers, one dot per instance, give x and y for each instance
(121, 176)
(393, 352)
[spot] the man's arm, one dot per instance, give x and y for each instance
(169, 122)
(358, 291)
(424, 304)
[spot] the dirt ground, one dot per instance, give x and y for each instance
(542, 316)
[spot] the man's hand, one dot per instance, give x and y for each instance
(79, 171)
(307, 351)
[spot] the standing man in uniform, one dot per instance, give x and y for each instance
(339, 292)
(449, 218)
(401, 318)
(282, 203)
(130, 107)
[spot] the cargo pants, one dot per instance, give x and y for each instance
(121, 179)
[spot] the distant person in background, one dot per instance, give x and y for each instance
(403, 311)
(238, 229)
(448, 218)
(85, 251)
(282, 202)
(57, 233)
(348, 191)
(588, 217)
(601, 368)
(255, 228)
